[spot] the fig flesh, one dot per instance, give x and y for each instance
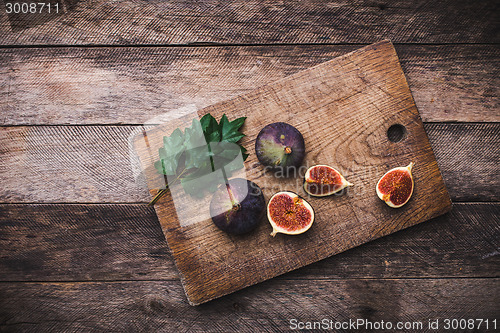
(281, 147)
(323, 180)
(289, 214)
(396, 186)
(237, 206)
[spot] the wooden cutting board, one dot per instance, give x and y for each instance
(344, 109)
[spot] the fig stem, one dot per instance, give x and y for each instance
(234, 202)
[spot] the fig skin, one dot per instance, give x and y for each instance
(238, 206)
(328, 176)
(281, 147)
(303, 209)
(396, 197)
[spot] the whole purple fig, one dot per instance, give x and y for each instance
(237, 206)
(281, 147)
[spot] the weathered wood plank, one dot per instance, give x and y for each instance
(454, 83)
(468, 156)
(55, 86)
(82, 242)
(253, 22)
(78, 164)
(125, 242)
(68, 164)
(269, 307)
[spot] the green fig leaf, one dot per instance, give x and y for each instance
(194, 157)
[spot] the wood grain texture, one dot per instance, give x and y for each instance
(365, 92)
(53, 86)
(82, 242)
(470, 161)
(160, 306)
(53, 242)
(64, 164)
(254, 22)
(68, 164)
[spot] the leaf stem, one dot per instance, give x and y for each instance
(162, 192)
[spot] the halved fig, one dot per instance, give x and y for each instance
(289, 214)
(323, 180)
(396, 186)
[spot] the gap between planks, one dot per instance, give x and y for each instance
(208, 44)
(278, 278)
(450, 122)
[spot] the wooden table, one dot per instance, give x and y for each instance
(79, 248)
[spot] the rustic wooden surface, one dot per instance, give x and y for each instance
(79, 250)
(365, 92)
(37, 155)
(255, 22)
(130, 85)
(160, 305)
(117, 242)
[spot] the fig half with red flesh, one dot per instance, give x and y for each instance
(289, 214)
(322, 180)
(396, 186)
(281, 147)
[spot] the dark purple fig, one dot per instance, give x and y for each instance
(281, 147)
(238, 206)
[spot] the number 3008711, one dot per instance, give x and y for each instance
(33, 8)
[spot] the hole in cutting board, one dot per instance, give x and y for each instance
(396, 133)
